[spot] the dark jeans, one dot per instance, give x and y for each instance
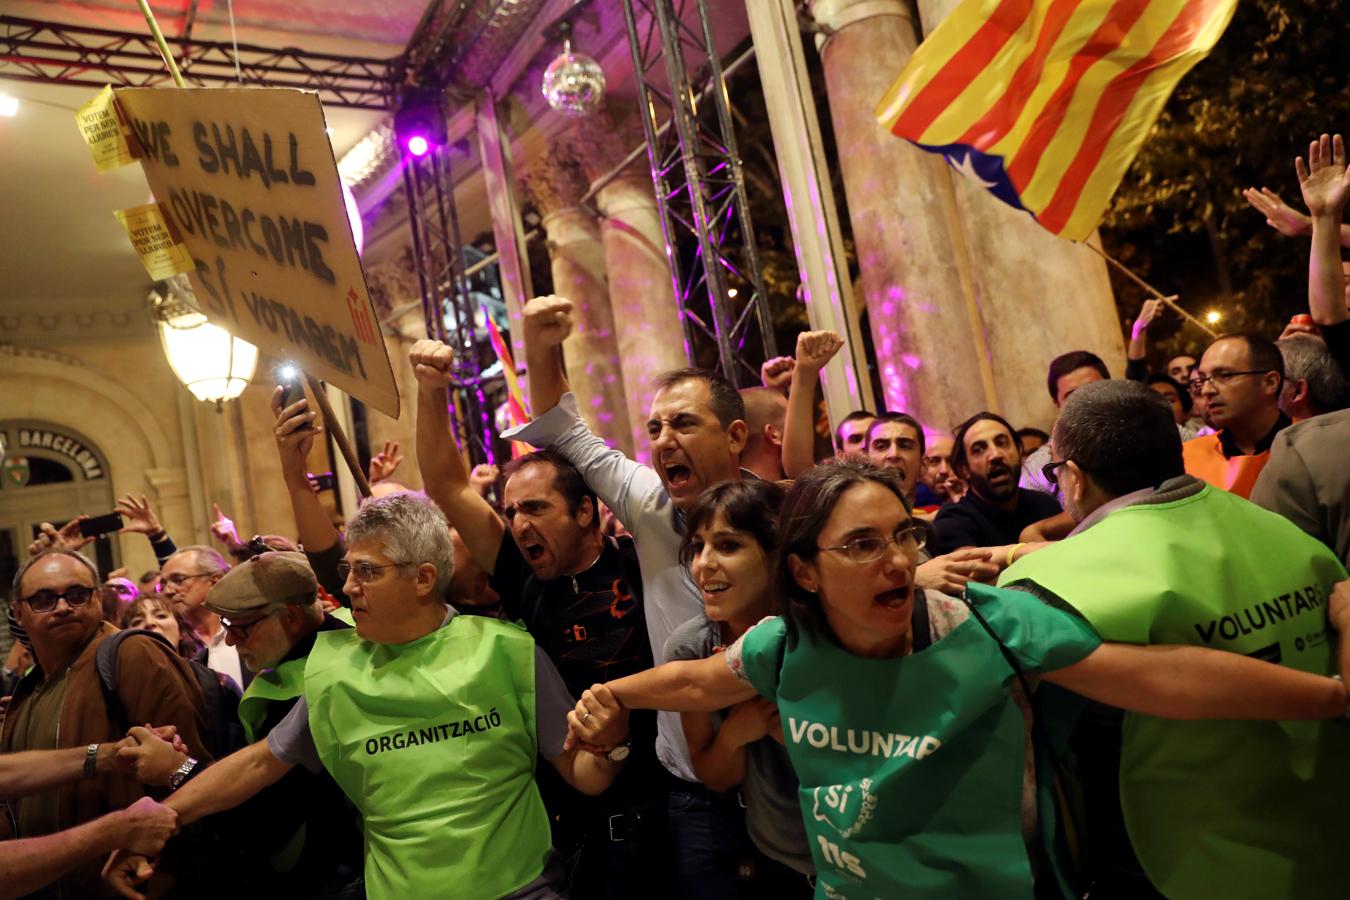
(714, 856)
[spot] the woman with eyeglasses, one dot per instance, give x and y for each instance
(900, 712)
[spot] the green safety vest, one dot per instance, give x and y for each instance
(1217, 809)
(911, 768)
(435, 743)
(283, 683)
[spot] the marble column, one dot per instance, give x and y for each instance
(646, 316)
(555, 184)
(925, 316)
(1040, 295)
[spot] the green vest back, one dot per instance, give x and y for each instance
(1217, 809)
(435, 743)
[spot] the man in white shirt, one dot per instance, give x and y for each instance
(187, 578)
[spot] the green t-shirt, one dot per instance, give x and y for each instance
(911, 767)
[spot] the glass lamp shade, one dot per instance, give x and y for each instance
(214, 365)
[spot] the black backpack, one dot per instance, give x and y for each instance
(224, 733)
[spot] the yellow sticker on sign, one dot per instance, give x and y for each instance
(156, 241)
(102, 130)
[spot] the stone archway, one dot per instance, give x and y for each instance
(44, 385)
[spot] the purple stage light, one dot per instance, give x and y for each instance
(417, 145)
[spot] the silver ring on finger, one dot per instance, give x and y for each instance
(585, 717)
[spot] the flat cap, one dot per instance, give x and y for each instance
(265, 580)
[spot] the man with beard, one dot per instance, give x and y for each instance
(987, 455)
(579, 595)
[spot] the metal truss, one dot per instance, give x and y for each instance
(700, 190)
(448, 305)
(54, 52)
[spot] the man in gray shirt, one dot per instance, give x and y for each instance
(696, 431)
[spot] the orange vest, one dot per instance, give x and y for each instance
(1205, 460)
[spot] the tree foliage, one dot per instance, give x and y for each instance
(1275, 81)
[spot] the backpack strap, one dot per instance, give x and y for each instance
(105, 662)
(921, 632)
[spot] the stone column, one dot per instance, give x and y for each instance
(556, 185)
(922, 306)
(646, 316)
(1040, 295)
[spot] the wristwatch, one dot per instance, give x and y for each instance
(619, 752)
(181, 773)
(91, 761)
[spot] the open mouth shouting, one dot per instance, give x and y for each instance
(895, 603)
(678, 475)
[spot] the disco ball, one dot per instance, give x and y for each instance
(574, 84)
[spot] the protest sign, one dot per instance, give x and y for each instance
(247, 182)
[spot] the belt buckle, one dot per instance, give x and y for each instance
(612, 838)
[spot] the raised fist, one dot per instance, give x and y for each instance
(548, 321)
(432, 363)
(816, 348)
(776, 373)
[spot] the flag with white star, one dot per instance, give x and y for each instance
(1046, 102)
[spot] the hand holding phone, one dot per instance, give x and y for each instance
(288, 376)
(101, 526)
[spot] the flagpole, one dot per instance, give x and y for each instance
(1170, 301)
(163, 44)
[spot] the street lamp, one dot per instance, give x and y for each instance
(210, 362)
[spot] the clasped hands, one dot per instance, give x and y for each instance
(598, 723)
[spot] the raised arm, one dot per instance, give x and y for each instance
(1283, 217)
(1174, 682)
(141, 519)
(443, 473)
(295, 432)
(1137, 352)
(814, 350)
(547, 322)
(1325, 181)
(625, 486)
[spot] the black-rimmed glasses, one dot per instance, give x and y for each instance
(76, 596)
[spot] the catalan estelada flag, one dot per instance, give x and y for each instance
(515, 399)
(1046, 102)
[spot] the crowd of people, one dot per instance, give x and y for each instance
(1100, 661)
